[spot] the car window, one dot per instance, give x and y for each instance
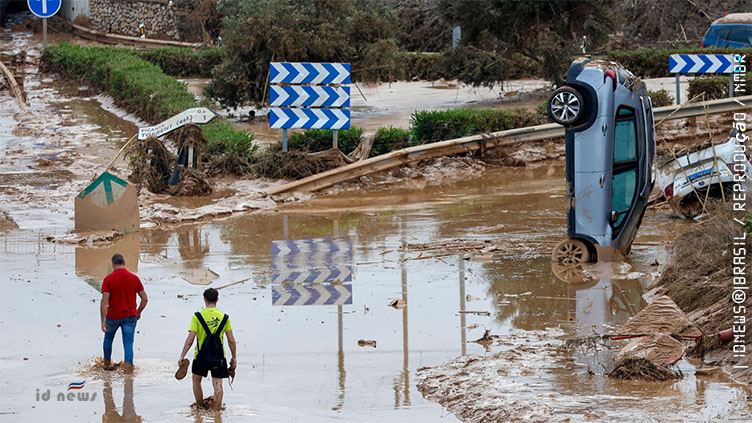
(739, 34)
(625, 135)
(720, 35)
(623, 190)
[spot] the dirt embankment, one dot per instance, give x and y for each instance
(700, 279)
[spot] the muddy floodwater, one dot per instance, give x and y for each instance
(300, 358)
(304, 362)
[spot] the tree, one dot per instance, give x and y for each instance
(257, 32)
(548, 31)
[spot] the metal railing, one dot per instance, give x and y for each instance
(494, 139)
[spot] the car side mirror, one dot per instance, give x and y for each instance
(614, 217)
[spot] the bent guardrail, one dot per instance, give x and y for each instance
(494, 139)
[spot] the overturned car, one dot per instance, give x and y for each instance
(610, 150)
(704, 172)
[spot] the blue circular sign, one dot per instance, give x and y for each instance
(44, 8)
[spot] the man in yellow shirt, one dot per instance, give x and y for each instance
(210, 324)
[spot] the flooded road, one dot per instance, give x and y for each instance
(303, 362)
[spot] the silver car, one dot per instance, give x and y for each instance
(610, 150)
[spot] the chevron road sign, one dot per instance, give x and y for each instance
(314, 276)
(306, 295)
(701, 63)
(319, 260)
(309, 96)
(309, 118)
(309, 73)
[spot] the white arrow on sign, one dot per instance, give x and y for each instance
(193, 115)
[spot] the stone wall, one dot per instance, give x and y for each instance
(162, 19)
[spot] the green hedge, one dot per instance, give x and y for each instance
(313, 140)
(391, 139)
(653, 63)
(141, 88)
(661, 98)
(716, 87)
(437, 125)
(176, 61)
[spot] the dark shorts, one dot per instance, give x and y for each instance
(199, 368)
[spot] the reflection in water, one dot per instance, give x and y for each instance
(94, 263)
(463, 318)
(192, 247)
(402, 382)
(111, 414)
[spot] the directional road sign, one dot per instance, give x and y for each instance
(319, 260)
(193, 115)
(309, 118)
(306, 295)
(701, 63)
(314, 276)
(44, 8)
(309, 73)
(309, 96)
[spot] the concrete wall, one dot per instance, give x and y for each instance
(72, 8)
(161, 18)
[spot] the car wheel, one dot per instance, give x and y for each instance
(571, 251)
(565, 106)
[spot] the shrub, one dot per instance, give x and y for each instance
(177, 61)
(390, 139)
(437, 125)
(715, 87)
(142, 88)
(661, 98)
(313, 140)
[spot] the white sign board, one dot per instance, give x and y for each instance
(194, 115)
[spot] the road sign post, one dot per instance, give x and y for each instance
(309, 96)
(44, 9)
(700, 63)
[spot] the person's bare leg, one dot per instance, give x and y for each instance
(198, 393)
(217, 382)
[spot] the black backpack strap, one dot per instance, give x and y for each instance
(222, 324)
(203, 322)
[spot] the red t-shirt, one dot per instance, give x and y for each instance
(122, 286)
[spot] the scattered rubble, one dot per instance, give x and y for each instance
(87, 238)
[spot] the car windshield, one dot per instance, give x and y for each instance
(624, 181)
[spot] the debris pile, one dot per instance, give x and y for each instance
(160, 171)
(654, 347)
(648, 358)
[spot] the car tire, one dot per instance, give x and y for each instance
(571, 251)
(565, 106)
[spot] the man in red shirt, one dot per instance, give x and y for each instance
(118, 309)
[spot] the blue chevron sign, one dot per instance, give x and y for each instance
(701, 63)
(309, 118)
(309, 96)
(307, 295)
(309, 73)
(315, 261)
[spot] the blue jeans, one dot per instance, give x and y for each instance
(128, 329)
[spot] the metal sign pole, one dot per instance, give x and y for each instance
(284, 139)
(44, 32)
(678, 90)
(335, 137)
